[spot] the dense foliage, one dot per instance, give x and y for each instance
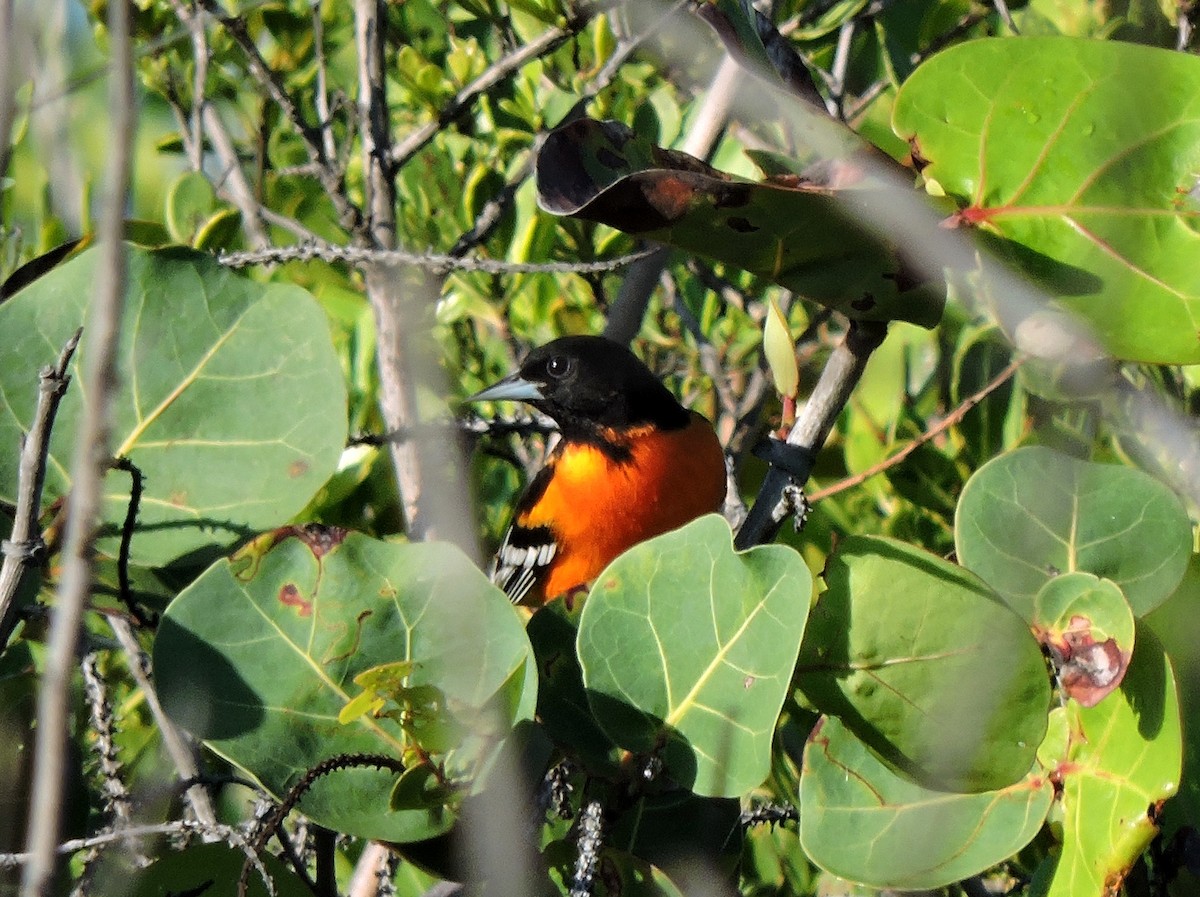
(973, 669)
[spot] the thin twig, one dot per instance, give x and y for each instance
(89, 466)
(22, 549)
(932, 433)
(127, 528)
(542, 45)
(104, 838)
(275, 818)
(1006, 16)
(173, 740)
(8, 78)
(350, 216)
(435, 264)
(841, 374)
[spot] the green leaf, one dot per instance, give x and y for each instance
(1088, 626)
(1124, 761)
(199, 869)
(1044, 144)
(926, 665)
(1033, 514)
(303, 611)
(688, 646)
(231, 399)
(190, 202)
(861, 821)
(780, 351)
(802, 237)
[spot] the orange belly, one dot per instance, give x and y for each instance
(598, 507)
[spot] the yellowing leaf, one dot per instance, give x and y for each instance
(780, 351)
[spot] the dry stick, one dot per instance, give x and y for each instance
(204, 118)
(544, 44)
(21, 550)
(8, 98)
(89, 465)
(331, 178)
(176, 744)
(101, 839)
(841, 374)
(942, 426)
(435, 263)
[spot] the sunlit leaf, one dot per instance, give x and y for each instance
(1043, 143)
(798, 235)
(1033, 514)
(1088, 626)
(1124, 761)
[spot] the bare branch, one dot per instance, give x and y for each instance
(21, 550)
(435, 264)
(544, 44)
(176, 744)
(8, 79)
(104, 838)
(841, 374)
(932, 433)
(89, 465)
(272, 83)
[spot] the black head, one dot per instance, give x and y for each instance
(587, 384)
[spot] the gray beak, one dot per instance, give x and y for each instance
(512, 388)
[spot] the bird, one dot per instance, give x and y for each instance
(630, 463)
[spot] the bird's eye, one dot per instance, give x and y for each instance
(558, 366)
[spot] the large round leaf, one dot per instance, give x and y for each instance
(1045, 143)
(231, 399)
(258, 658)
(861, 821)
(1032, 514)
(688, 647)
(926, 665)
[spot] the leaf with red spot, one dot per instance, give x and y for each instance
(1123, 762)
(1082, 155)
(266, 657)
(800, 234)
(860, 820)
(1087, 625)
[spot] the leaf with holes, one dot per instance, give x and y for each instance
(926, 665)
(687, 649)
(1046, 143)
(860, 820)
(1123, 762)
(1030, 515)
(800, 235)
(231, 399)
(1088, 626)
(302, 612)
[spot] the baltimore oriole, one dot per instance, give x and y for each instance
(630, 463)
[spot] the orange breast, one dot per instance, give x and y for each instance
(598, 507)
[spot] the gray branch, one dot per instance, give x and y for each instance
(89, 465)
(21, 550)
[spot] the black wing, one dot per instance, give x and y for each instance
(522, 559)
